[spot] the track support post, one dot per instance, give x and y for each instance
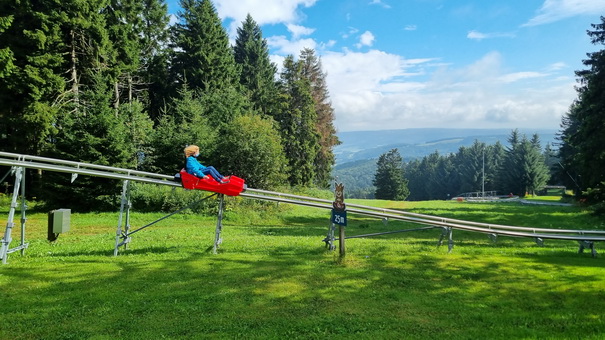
(589, 245)
(219, 225)
(7, 239)
(447, 231)
(124, 216)
(329, 240)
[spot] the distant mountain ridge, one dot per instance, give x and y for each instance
(417, 143)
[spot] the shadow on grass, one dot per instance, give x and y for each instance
(300, 296)
(122, 251)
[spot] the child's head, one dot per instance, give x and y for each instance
(192, 150)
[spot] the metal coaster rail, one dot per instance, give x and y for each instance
(18, 161)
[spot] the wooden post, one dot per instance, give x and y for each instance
(339, 215)
(341, 240)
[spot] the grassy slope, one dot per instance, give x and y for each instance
(273, 278)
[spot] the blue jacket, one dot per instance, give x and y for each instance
(194, 167)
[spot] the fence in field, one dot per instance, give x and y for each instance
(124, 232)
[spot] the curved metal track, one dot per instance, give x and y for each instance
(77, 168)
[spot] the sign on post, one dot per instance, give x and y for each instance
(339, 215)
(339, 212)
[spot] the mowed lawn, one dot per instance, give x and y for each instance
(273, 278)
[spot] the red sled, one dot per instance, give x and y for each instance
(233, 187)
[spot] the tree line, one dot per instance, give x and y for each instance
(113, 83)
(522, 167)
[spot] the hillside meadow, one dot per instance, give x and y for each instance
(274, 278)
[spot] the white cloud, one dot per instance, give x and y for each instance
(298, 30)
(173, 19)
(517, 76)
(263, 11)
(283, 46)
(366, 39)
(476, 35)
(410, 27)
(554, 10)
(556, 66)
(376, 90)
(380, 3)
(351, 31)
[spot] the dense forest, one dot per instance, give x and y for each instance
(113, 83)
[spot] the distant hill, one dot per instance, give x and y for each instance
(417, 143)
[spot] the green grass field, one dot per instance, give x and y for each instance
(273, 278)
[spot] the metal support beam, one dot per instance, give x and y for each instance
(329, 240)
(589, 245)
(219, 225)
(124, 205)
(447, 231)
(23, 218)
(493, 237)
(7, 239)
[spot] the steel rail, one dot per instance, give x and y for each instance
(437, 218)
(145, 177)
(132, 175)
(55, 161)
(430, 222)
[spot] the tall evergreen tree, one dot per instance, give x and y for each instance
(583, 152)
(92, 134)
(124, 21)
(203, 58)
(534, 170)
(257, 76)
(416, 180)
(511, 172)
(297, 123)
(31, 68)
(471, 167)
(443, 182)
(325, 159)
(389, 178)
(6, 54)
(551, 159)
(184, 125)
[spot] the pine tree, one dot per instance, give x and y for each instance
(325, 159)
(583, 151)
(471, 165)
(389, 179)
(535, 172)
(416, 180)
(257, 76)
(6, 54)
(185, 125)
(203, 58)
(297, 123)
(30, 64)
(511, 172)
(551, 159)
(92, 134)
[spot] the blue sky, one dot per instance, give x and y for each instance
(395, 64)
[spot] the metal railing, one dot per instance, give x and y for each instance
(79, 168)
